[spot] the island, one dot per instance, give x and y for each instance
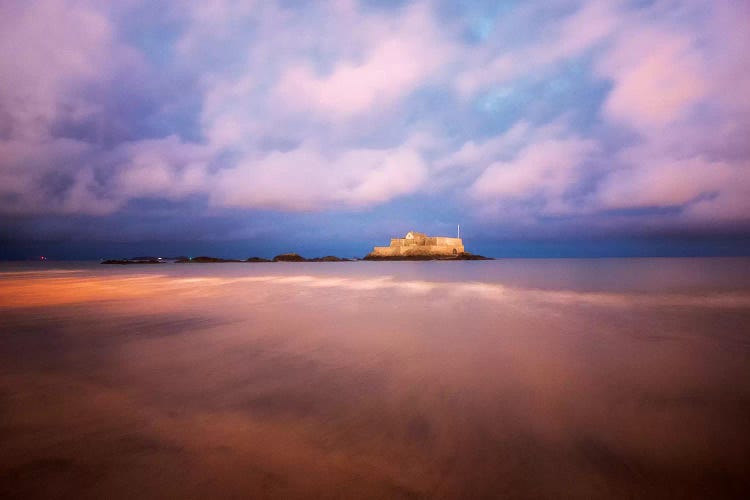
(419, 246)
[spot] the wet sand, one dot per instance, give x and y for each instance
(402, 380)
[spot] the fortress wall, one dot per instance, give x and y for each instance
(455, 242)
(416, 250)
(435, 245)
(386, 251)
(432, 250)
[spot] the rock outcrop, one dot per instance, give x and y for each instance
(204, 260)
(289, 257)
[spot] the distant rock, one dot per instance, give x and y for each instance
(204, 260)
(289, 257)
(123, 262)
(327, 258)
(471, 256)
(257, 259)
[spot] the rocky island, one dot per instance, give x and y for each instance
(419, 246)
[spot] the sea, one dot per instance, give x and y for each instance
(561, 378)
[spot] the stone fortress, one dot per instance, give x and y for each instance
(416, 244)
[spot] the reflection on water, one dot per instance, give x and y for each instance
(586, 379)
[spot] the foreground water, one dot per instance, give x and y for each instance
(612, 378)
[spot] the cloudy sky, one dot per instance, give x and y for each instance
(250, 127)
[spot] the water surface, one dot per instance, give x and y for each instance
(608, 378)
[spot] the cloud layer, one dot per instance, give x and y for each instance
(611, 113)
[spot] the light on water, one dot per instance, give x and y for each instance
(601, 378)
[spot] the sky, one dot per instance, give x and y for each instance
(239, 128)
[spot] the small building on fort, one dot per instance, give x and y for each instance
(419, 244)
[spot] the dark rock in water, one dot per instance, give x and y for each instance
(289, 257)
(327, 258)
(471, 256)
(204, 260)
(132, 261)
(460, 256)
(284, 257)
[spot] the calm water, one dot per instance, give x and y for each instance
(611, 378)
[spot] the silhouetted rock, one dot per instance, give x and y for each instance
(204, 260)
(327, 258)
(471, 256)
(289, 257)
(257, 259)
(132, 261)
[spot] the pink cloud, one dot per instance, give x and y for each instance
(679, 89)
(473, 153)
(308, 179)
(547, 168)
(398, 55)
(652, 182)
(164, 168)
(379, 60)
(658, 77)
(727, 206)
(493, 64)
